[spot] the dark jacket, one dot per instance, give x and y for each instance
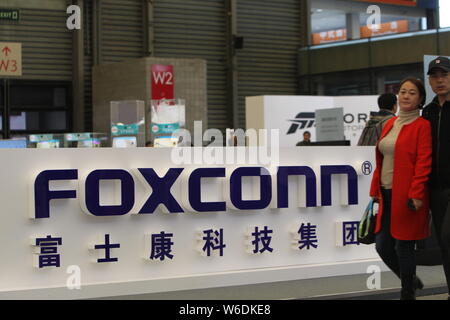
(372, 131)
(439, 118)
(303, 143)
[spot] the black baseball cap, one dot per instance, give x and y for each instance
(442, 63)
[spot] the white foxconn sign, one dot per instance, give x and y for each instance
(110, 221)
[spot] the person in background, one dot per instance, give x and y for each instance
(399, 184)
(306, 139)
(438, 113)
(387, 102)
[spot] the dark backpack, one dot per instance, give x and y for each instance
(372, 131)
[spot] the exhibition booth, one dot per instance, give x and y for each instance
(98, 212)
(120, 221)
(125, 173)
(293, 115)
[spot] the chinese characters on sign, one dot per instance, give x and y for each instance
(161, 246)
(210, 241)
(107, 246)
(350, 233)
(48, 255)
(261, 237)
(347, 233)
(213, 241)
(399, 26)
(307, 236)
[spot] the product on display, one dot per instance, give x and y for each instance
(85, 140)
(128, 120)
(167, 117)
(46, 141)
(168, 141)
(124, 142)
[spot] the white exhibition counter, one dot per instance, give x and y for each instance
(293, 115)
(93, 217)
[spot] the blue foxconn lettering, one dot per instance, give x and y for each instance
(161, 194)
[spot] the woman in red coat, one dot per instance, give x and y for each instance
(403, 157)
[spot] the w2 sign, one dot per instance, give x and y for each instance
(162, 82)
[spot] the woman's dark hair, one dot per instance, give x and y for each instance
(419, 84)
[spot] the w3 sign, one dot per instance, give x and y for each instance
(162, 82)
(10, 59)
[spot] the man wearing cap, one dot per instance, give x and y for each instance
(438, 113)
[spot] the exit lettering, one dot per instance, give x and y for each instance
(11, 15)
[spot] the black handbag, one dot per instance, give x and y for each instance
(366, 228)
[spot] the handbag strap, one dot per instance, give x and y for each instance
(366, 218)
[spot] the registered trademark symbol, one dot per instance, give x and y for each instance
(366, 168)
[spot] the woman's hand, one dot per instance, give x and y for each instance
(417, 203)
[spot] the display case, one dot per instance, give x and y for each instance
(128, 123)
(85, 140)
(46, 141)
(168, 115)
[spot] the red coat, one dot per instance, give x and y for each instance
(412, 165)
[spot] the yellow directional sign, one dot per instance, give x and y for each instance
(10, 59)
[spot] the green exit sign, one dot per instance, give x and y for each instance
(9, 15)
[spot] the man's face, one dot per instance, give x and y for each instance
(440, 82)
(306, 136)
